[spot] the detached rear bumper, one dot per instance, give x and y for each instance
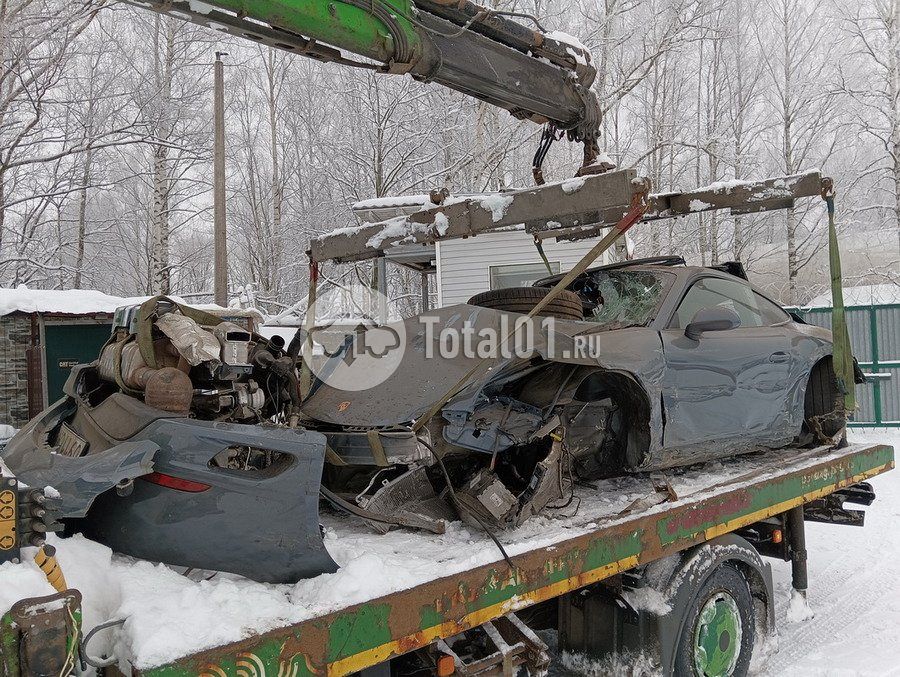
(186, 511)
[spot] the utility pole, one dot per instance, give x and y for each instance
(220, 285)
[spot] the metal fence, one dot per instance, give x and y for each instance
(875, 337)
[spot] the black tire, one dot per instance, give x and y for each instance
(565, 306)
(822, 404)
(726, 594)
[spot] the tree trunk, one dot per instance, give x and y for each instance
(160, 272)
(274, 246)
(790, 219)
(893, 35)
(82, 222)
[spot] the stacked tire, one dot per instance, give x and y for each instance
(565, 305)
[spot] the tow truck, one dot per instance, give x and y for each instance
(669, 566)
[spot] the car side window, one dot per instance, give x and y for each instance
(710, 292)
(770, 312)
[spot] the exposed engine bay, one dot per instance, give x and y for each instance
(186, 442)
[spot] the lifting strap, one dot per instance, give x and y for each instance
(305, 369)
(540, 247)
(842, 353)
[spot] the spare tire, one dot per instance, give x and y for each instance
(566, 305)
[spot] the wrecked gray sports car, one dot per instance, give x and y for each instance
(194, 442)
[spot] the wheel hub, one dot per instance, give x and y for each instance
(717, 636)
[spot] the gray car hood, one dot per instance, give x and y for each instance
(412, 380)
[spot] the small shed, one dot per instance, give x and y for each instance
(44, 333)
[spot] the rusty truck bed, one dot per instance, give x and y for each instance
(618, 524)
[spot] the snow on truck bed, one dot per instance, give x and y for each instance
(170, 615)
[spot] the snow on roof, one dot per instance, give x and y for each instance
(72, 301)
(862, 295)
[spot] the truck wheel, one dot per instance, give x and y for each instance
(822, 406)
(565, 306)
(719, 631)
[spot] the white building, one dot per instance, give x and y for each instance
(496, 260)
(461, 268)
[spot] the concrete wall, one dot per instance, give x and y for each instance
(463, 266)
(15, 335)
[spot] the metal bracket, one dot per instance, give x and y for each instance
(515, 646)
(831, 510)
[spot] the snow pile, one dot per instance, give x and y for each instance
(496, 205)
(698, 205)
(647, 599)
(862, 295)
(570, 186)
(398, 227)
(7, 432)
(574, 46)
(617, 665)
(420, 201)
(798, 608)
(441, 223)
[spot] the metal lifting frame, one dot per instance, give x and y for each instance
(584, 207)
(569, 210)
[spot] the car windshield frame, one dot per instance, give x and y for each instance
(647, 315)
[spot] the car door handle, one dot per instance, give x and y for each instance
(779, 357)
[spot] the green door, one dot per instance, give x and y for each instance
(66, 345)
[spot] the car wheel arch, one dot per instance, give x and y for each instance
(627, 391)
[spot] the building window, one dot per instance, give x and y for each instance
(520, 274)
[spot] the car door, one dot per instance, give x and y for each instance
(727, 387)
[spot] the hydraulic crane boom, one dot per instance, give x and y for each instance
(456, 43)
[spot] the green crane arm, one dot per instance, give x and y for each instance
(458, 44)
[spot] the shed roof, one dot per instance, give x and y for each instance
(70, 301)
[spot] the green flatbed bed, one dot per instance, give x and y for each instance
(609, 539)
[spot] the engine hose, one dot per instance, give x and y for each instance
(296, 345)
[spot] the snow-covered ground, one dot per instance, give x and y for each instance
(854, 588)
(854, 591)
